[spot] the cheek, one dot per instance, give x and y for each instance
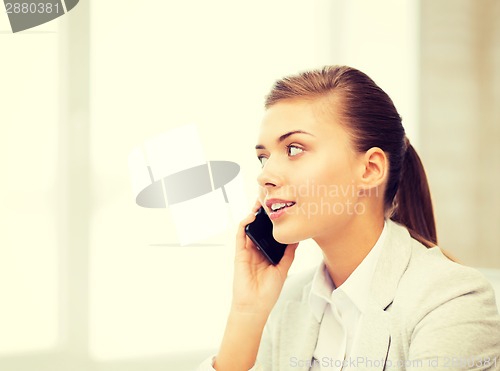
(330, 180)
(327, 195)
(261, 195)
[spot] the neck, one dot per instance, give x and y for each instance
(344, 249)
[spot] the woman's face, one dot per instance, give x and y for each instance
(310, 168)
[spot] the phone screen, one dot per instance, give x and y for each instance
(260, 231)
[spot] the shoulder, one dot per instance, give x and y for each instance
(426, 275)
(437, 293)
(442, 308)
(432, 277)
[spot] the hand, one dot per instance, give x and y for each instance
(257, 283)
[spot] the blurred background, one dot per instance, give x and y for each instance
(91, 281)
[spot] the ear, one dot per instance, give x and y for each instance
(374, 168)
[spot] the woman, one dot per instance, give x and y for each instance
(334, 151)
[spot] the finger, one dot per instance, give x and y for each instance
(256, 206)
(250, 217)
(241, 228)
(247, 220)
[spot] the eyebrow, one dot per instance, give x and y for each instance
(284, 136)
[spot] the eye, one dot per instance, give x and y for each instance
(294, 150)
(262, 160)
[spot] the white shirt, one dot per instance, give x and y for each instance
(340, 309)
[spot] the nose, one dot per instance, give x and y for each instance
(269, 177)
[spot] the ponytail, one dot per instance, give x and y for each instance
(412, 203)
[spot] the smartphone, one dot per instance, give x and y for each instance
(260, 231)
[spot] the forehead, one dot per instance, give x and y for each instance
(311, 116)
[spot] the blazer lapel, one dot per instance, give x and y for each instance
(393, 261)
(298, 336)
(372, 343)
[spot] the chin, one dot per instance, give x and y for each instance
(286, 238)
(290, 230)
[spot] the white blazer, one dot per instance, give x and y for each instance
(426, 312)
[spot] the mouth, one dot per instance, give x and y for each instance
(277, 207)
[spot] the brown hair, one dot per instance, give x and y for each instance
(371, 119)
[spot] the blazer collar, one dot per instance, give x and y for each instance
(300, 331)
(393, 261)
(372, 344)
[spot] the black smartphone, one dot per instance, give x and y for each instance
(260, 231)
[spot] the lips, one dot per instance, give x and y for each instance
(276, 204)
